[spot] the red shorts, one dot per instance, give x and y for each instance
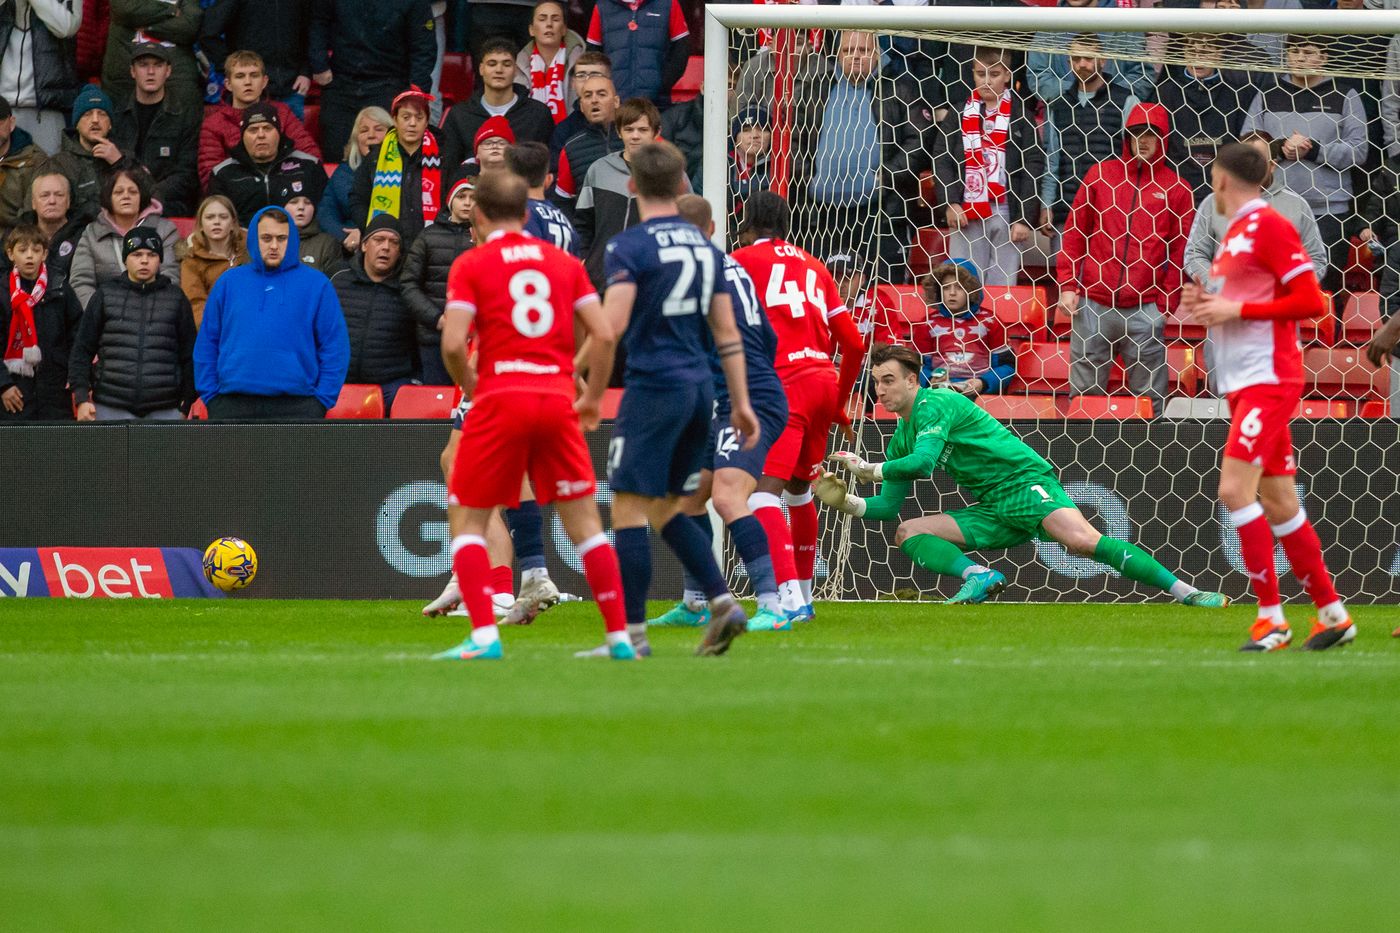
(1259, 427)
(812, 410)
(508, 435)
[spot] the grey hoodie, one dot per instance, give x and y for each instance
(1334, 119)
(1209, 226)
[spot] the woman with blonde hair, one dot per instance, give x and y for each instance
(217, 244)
(370, 126)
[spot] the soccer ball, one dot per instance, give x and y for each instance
(230, 564)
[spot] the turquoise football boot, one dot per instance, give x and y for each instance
(978, 587)
(471, 651)
(682, 616)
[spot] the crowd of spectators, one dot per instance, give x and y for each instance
(307, 147)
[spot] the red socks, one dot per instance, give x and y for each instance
(502, 580)
(1257, 549)
(1304, 552)
(802, 516)
(768, 509)
(473, 569)
(604, 576)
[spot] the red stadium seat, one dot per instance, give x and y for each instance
(1094, 407)
(1320, 330)
(425, 402)
(198, 412)
(1043, 366)
(1012, 407)
(1375, 409)
(1020, 308)
(897, 309)
(1361, 317)
(1314, 408)
(612, 398)
(358, 401)
(1342, 371)
(330, 168)
(457, 78)
(928, 250)
(311, 119)
(185, 225)
(688, 87)
(1184, 372)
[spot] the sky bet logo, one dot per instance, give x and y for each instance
(102, 573)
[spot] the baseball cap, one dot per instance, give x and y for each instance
(151, 50)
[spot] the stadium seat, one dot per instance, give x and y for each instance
(612, 398)
(1197, 409)
(1314, 408)
(311, 119)
(897, 309)
(198, 412)
(330, 168)
(1184, 372)
(1360, 317)
(185, 225)
(1043, 366)
(457, 79)
(1375, 409)
(1108, 407)
(1020, 308)
(928, 250)
(425, 402)
(1012, 407)
(688, 87)
(1320, 330)
(1342, 371)
(358, 401)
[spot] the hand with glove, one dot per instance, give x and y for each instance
(861, 469)
(831, 490)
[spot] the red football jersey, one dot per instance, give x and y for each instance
(523, 293)
(963, 345)
(1259, 254)
(800, 296)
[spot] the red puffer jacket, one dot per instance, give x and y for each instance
(223, 131)
(1124, 240)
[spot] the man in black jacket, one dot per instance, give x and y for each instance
(529, 119)
(264, 163)
(383, 340)
(275, 29)
(379, 48)
(424, 276)
(158, 134)
(598, 102)
(141, 326)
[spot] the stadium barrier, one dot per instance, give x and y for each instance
(355, 510)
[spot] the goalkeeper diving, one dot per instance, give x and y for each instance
(1017, 493)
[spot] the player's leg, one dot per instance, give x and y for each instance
(1239, 492)
(526, 528)
(825, 409)
(767, 506)
(693, 610)
(473, 570)
(451, 596)
(935, 543)
(732, 489)
(1289, 523)
(601, 568)
(803, 523)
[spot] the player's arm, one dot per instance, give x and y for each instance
(930, 438)
(456, 323)
(598, 350)
(884, 507)
(729, 345)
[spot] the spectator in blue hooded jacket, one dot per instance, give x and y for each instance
(961, 336)
(273, 344)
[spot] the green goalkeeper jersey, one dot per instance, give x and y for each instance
(948, 431)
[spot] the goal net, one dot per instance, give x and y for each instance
(909, 137)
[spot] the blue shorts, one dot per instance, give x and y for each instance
(726, 451)
(658, 445)
(459, 414)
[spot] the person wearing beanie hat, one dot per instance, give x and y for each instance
(158, 133)
(87, 150)
(319, 249)
(425, 270)
(264, 163)
(383, 332)
(491, 142)
(751, 139)
(402, 176)
(142, 327)
(18, 158)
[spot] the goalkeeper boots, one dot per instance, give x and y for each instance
(682, 616)
(1266, 635)
(471, 651)
(977, 587)
(727, 622)
(1323, 637)
(1206, 600)
(536, 595)
(765, 621)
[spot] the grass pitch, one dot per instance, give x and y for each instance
(265, 765)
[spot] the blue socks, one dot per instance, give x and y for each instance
(633, 546)
(526, 524)
(751, 542)
(693, 548)
(703, 523)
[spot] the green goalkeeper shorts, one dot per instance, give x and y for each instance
(1012, 515)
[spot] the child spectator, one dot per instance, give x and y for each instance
(216, 245)
(753, 143)
(607, 205)
(1083, 126)
(424, 276)
(490, 145)
(543, 65)
(371, 124)
(141, 326)
(38, 324)
(648, 42)
(245, 77)
(127, 202)
(277, 32)
(320, 250)
(990, 166)
(961, 336)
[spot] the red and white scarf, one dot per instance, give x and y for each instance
(22, 343)
(984, 155)
(547, 81)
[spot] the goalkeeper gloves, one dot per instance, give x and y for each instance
(861, 469)
(831, 489)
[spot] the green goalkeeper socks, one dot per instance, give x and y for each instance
(936, 555)
(1134, 563)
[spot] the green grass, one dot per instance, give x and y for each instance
(266, 765)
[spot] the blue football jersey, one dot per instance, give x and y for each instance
(545, 221)
(676, 271)
(760, 340)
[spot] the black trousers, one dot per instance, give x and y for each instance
(341, 101)
(237, 407)
(497, 21)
